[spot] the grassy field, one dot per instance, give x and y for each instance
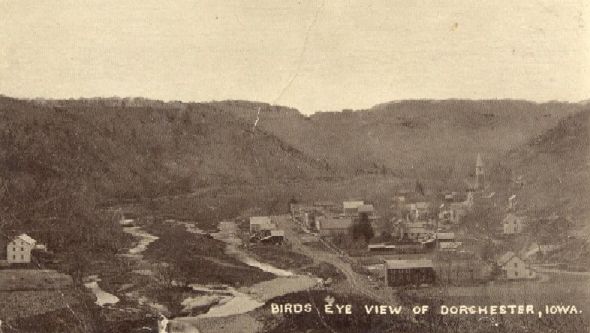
(197, 258)
(557, 290)
(26, 303)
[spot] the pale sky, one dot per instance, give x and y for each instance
(312, 55)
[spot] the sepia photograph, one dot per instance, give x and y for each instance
(295, 166)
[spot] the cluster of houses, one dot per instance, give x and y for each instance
(423, 222)
(18, 249)
(331, 220)
(264, 230)
(419, 219)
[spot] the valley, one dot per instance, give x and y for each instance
(147, 206)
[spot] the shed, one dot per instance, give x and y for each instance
(406, 272)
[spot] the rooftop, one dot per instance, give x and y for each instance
(352, 204)
(260, 220)
(324, 203)
(505, 258)
(407, 264)
(366, 209)
(26, 238)
(277, 233)
(335, 223)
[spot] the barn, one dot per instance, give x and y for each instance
(407, 272)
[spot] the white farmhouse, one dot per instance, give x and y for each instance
(514, 268)
(18, 251)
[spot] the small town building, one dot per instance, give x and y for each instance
(369, 211)
(449, 246)
(418, 231)
(327, 207)
(453, 212)
(350, 208)
(366, 209)
(259, 223)
(18, 251)
(420, 211)
(455, 207)
(514, 268)
(333, 226)
(407, 272)
(273, 237)
(397, 248)
(513, 224)
(444, 237)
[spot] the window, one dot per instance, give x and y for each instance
(22, 249)
(515, 265)
(22, 257)
(515, 273)
(14, 257)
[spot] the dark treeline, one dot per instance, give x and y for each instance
(61, 160)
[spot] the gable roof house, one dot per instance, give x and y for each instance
(18, 250)
(513, 267)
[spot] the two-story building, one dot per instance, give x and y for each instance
(18, 251)
(514, 268)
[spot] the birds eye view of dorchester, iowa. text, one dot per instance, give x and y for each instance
(294, 166)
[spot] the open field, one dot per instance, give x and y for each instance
(26, 303)
(557, 289)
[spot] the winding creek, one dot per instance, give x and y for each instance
(226, 300)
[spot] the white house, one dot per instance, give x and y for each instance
(513, 224)
(259, 223)
(18, 251)
(514, 268)
(350, 208)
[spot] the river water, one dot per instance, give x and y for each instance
(144, 240)
(102, 297)
(230, 301)
(227, 301)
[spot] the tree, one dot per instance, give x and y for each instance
(419, 187)
(293, 201)
(362, 228)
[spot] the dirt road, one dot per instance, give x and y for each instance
(355, 282)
